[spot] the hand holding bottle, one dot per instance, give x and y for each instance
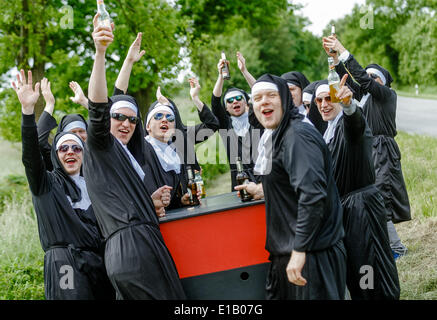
(102, 35)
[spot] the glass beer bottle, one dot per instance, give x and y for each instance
(104, 19)
(334, 35)
(225, 70)
(192, 188)
(242, 178)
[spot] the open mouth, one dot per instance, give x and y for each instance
(164, 127)
(123, 131)
(237, 108)
(267, 112)
(70, 161)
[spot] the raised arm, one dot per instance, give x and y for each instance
(134, 55)
(32, 160)
(242, 66)
(79, 96)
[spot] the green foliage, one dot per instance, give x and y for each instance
(22, 282)
(12, 187)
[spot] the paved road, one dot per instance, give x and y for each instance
(417, 116)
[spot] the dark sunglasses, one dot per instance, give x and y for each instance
(238, 98)
(122, 117)
(327, 99)
(160, 115)
(373, 76)
(65, 147)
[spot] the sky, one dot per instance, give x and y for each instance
(320, 12)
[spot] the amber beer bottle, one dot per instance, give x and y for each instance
(225, 70)
(242, 178)
(334, 83)
(192, 187)
(104, 18)
(333, 34)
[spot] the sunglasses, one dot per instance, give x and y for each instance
(238, 98)
(160, 115)
(122, 117)
(327, 99)
(65, 147)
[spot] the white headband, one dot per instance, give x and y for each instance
(307, 96)
(378, 73)
(322, 88)
(159, 107)
(123, 104)
(74, 125)
(234, 93)
(264, 85)
(66, 137)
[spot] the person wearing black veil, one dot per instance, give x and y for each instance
(137, 260)
(313, 113)
(68, 231)
(303, 210)
(239, 137)
(296, 83)
(74, 123)
(379, 101)
(350, 141)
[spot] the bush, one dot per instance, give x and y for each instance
(12, 187)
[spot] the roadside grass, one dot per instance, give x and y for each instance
(21, 256)
(410, 91)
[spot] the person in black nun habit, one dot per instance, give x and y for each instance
(364, 214)
(296, 83)
(313, 113)
(68, 231)
(303, 209)
(239, 137)
(74, 123)
(137, 260)
(379, 101)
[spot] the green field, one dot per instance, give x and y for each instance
(21, 257)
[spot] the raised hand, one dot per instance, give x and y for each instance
(344, 94)
(48, 95)
(194, 88)
(25, 92)
(161, 99)
(332, 43)
(220, 66)
(79, 96)
(134, 54)
(241, 62)
(102, 35)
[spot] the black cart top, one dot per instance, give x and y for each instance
(218, 203)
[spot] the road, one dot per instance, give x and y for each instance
(417, 116)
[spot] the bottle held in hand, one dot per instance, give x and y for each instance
(200, 185)
(104, 19)
(334, 35)
(334, 83)
(242, 178)
(192, 188)
(225, 70)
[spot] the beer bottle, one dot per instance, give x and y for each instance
(242, 178)
(333, 34)
(225, 70)
(199, 182)
(104, 18)
(334, 83)
(192, 188)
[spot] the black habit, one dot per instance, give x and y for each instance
(303, 209)
(69, 237)
(364, 214)
(380, 113)
(137, 260)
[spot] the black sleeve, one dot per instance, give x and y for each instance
(219, 112)
(354, 126)
(368, 85)
(209, 125)
(33, 162)
(117, 91)
(99, 128)
(303, 160)
(46, 123)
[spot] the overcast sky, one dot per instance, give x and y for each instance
(320, 12)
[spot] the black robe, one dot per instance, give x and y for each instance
(364, 213)
(380, 113)
(137, 260)
(303, 209)
(69, 237)
(46, 123)
(236, 146)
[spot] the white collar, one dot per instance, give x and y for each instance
(167, 156)
(330, 131)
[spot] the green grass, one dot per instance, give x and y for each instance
(21, 256)
(428, 92)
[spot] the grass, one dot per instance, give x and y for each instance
(424, 92)
(21, 256)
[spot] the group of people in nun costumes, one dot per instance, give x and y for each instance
(329, 173)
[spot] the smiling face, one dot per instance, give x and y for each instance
(268, 108)
(70, 160)
(296, 93)
(327, 109)
(123, 130)
(162, 129)
(236, 108)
